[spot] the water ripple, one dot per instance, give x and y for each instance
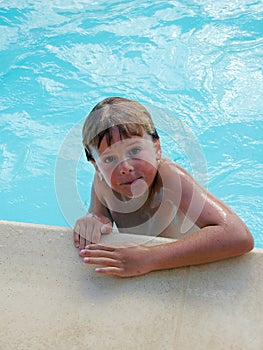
(199, 59)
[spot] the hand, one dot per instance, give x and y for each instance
(89, 229)
(124, 260)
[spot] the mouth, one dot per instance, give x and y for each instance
(128, 183)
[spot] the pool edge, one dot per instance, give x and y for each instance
(66, 304)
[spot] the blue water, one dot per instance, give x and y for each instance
(199, 60)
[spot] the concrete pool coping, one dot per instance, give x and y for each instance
(51, 300)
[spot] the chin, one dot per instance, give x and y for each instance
(136, 193)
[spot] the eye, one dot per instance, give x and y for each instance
(109, 159)
(134, 151)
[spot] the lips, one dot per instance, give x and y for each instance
(130, 182)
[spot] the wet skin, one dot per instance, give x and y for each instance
(143, 193)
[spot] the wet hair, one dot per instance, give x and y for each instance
(128, 116)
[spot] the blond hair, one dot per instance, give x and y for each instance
(128, 116)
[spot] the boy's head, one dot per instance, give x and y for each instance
(128, 116)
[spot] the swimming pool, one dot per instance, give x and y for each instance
(201, 61)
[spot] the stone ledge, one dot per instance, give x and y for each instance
(51, 300)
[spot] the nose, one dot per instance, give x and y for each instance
(126, 167)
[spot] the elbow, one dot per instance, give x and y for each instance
(238, 240)
(243, 239)
(247, 240)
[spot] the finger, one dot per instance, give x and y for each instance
(84, 237)
(107, 228)
(82, 230)
(82, 242)
(95, 234)
(97, 253)
(107, 248)
(76, 235)
(102, 261)
(76, 239)
(110, 271)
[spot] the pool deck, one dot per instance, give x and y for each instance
(51, 300)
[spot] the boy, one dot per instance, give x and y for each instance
(143, 193)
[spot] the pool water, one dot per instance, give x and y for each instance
(198, 60)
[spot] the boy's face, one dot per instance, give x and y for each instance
(129, 165)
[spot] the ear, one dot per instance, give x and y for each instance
(94, 164)
(97, 169)
(158, 149)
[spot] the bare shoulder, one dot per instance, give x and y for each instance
(173, 174)
(170, 166)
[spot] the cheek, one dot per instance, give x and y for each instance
(150, 173)
(148, 170)
(110, 175)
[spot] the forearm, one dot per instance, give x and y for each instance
(211, 243)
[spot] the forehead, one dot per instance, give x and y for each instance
(118, 142)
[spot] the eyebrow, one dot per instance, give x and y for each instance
(106, 152)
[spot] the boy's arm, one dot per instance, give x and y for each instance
(222, 235)
(89, 228)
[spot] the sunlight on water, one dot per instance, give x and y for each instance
(200, 60)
